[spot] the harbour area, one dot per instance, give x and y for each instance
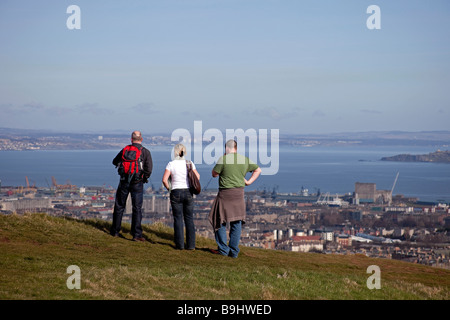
(366, 221)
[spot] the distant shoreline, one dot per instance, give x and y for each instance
(436, 157)
(22, 139)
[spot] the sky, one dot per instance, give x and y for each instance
(303, 67)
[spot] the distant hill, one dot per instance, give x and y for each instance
(23, 139)
(438, 139)
(37, 249)
(438, 156)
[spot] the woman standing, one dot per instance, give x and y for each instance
(181, 198)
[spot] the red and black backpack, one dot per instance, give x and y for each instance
(131, 164)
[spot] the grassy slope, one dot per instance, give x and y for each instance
(37, 249)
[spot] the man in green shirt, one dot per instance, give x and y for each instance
(229, 205)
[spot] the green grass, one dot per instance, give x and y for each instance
(36, 250)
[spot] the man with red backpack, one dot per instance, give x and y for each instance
(135, 165)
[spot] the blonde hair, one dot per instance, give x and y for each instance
(179, 151)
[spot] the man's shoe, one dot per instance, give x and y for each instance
(214, 251)
(141, 239)
(117, 235)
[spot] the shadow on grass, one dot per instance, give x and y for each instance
(105, 226)
(162, 232)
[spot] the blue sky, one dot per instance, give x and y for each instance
(298, 66)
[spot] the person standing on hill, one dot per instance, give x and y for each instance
(135, 165)
(181, 198)
(229, 205)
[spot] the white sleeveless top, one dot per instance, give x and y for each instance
(178, 172)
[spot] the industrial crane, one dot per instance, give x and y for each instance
(395, 181)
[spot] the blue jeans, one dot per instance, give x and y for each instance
(232, 249)
(137, 197)
(183, 209)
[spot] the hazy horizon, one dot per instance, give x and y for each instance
(189, 128)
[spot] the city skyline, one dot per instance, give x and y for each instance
(298, 66)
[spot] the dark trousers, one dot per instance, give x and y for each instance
(137, 197)
(183, 209)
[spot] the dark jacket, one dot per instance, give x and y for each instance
(146, 161)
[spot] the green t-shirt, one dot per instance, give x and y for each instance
(232, 169)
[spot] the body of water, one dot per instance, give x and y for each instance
(330, 169)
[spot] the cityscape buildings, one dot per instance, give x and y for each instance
(378, 225)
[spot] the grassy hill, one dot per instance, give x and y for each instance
(36, 250)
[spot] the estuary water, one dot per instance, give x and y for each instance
(328, 169)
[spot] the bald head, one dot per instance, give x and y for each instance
(136, 137)
(231, 146)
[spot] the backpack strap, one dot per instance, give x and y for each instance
(137, 170)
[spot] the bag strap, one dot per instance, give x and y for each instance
(189, 165)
